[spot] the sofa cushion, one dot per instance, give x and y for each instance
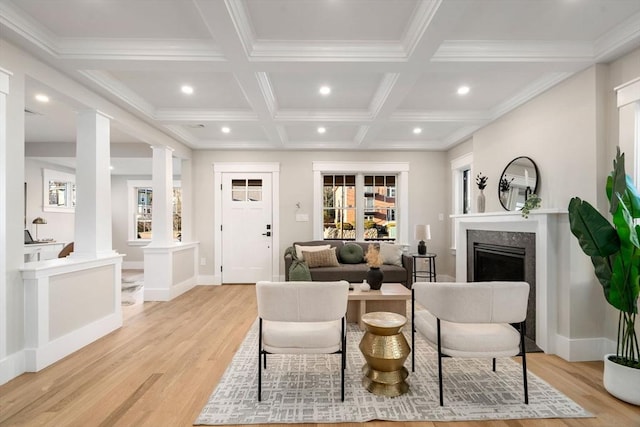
(351, 253)
(324, 258)
(391, 254)
(300, 249)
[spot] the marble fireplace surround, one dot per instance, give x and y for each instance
(544, 223)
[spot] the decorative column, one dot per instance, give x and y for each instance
(93, 186)
(162, 220)
(170, 268)
(4, 242)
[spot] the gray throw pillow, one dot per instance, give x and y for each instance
(352, 253)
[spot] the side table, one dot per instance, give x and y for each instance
(385, 349)
(430, 272)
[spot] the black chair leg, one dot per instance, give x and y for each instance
(440, 365)
(494, 364)
(413, 330)
(344, 359)
(260, 361)
(524, 363)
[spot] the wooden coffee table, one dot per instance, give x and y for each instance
(392, 297)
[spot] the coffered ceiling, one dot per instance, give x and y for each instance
(256, 66)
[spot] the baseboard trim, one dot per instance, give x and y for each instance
(181, 288)
(208, 280)
(12, 367)
(583, 349)
(39, 358)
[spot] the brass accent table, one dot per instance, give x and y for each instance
(385, 349)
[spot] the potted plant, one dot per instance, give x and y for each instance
(615, 253)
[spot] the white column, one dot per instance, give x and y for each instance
(186, 179)
(93, 186)
(162, 219)
(4, 247)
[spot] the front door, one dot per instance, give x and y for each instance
(247, 233)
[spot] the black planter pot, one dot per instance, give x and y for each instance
(374, 278)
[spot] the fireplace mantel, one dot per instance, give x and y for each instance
(544, 223)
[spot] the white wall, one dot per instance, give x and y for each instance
(571, 132)
(427, 192)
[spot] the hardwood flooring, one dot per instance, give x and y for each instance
(162, 365)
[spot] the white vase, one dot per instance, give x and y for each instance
(621, 381)
(481, 201)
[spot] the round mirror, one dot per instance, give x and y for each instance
(519, 179)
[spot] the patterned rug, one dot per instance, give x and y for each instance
(306, 389)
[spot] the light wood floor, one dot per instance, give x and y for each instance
(161, 366)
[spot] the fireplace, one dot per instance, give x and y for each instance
(508, 256)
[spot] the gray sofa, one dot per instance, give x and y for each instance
(354, 273)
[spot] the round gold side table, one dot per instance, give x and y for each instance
(385, 349)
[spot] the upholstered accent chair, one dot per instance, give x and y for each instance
(472, 320)
(301, 317)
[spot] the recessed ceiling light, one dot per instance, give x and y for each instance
(417, 130)
(225, 129)
(463, 90)
(325, 90)
(42, 98)
(321, 130)
(186, 89)
(111, 167)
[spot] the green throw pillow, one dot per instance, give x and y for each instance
(352, 253)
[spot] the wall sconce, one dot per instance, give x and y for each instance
(38, 221)
(422, 233)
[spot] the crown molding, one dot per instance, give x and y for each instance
(382, 93)
(534, 89)
(421, 145)
(361, 134)
(235, 145)
(27, 28)
(612, 41)
(169, 115)
(266, 88)
(421, 20)
(241, 22)
(325, 51)
(184, 135)
(512, 51)
(461, 134)
(119, 90)
(139, 49)
(440, 116)
(282, 133)
(336, 116)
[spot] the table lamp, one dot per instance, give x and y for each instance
(39, 220)
(422, 233)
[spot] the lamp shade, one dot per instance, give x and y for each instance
(39, 220)
(423, 232)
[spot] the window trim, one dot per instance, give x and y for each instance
(458, 166)
(132, 204)
(401, 169)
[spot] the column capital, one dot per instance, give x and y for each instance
(4, 80)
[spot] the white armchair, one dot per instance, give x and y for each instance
(472, 320)
(301, 317)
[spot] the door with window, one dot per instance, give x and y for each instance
(247, 232)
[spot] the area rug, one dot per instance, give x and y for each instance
(306, 389)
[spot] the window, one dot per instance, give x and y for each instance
(361, 205)
(59, 191)
(339, 206)
(246, 190)
(141, 211)
(466, 191)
